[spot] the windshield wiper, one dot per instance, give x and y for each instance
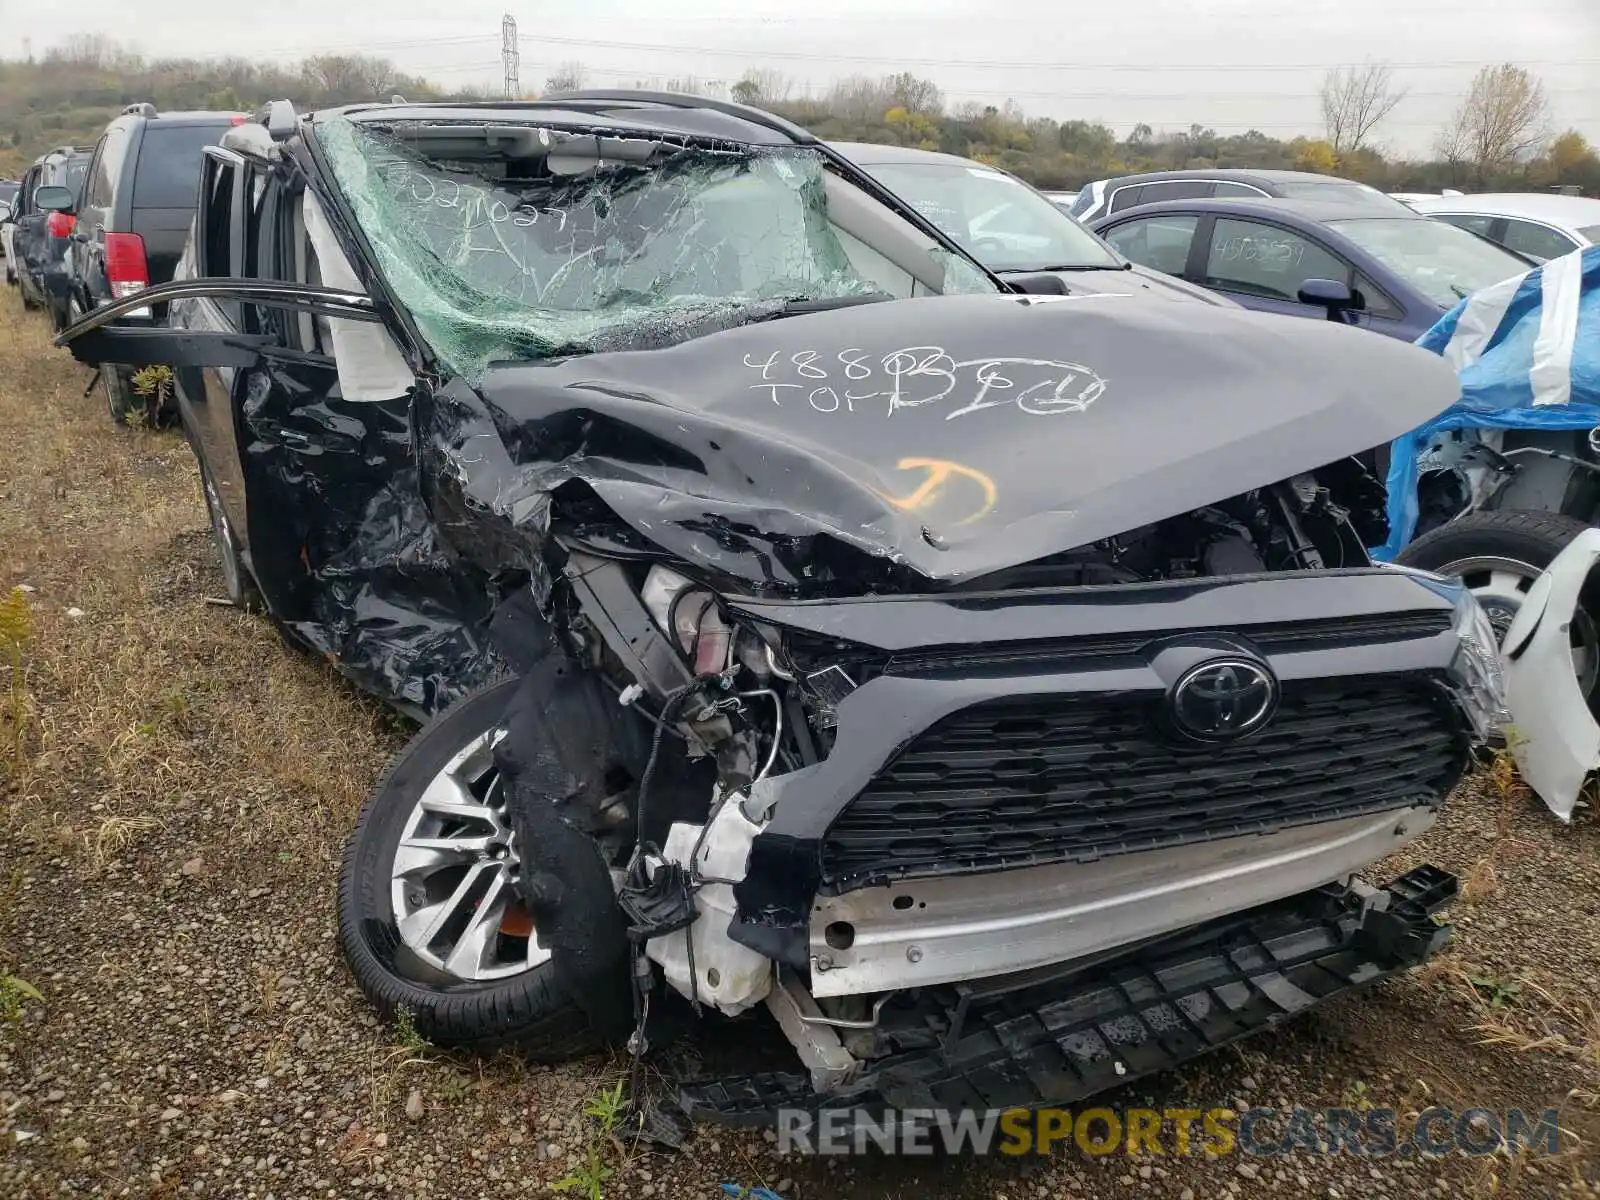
(796, 308)
(1127, 266)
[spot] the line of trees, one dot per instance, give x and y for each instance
(1499, 136)
(68, 94)
(1500, 131)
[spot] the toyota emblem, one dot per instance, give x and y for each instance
(1224, 699)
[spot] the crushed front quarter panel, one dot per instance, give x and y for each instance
(1553, 735)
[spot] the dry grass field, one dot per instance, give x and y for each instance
(175, 1019)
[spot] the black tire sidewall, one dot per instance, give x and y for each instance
(528, 1010)
(116, 393)
(1534, 543)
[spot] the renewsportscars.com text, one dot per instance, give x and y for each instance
(1212, 1132)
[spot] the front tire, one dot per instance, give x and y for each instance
(430, 917)
(1499, 555)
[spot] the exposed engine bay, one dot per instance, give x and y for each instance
(1315, 521)
(732, 707)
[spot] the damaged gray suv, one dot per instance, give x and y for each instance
(992, 686)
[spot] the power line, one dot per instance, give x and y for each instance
(974, 64)
(369, 47)
(1017, 65)
(1098, 94)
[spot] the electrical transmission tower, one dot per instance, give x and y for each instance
(509, 56)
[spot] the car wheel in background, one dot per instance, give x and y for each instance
(1499, 555)
(430, 916)
(124, 405)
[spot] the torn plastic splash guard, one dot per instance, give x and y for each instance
(1059, 1040)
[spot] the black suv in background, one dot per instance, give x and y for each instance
(134, 213)
(39, 238)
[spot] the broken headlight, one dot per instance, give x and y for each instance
(1476, 670)
(692, 617)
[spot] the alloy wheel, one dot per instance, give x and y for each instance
(453, 882)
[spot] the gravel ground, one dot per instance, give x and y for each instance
(169, 828)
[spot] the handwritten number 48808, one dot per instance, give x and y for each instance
(921, 376)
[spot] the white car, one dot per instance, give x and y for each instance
(1412, 199)
(7, 223)
(1537, 225)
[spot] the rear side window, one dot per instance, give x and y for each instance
(168, 171)
(1476, 223)
(25, 197)
(1537, 241)
(107, 169)
(1236, 189)
(76, 170)
(1127, 197)
(1177, 189)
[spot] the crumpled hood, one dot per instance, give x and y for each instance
(955, 435)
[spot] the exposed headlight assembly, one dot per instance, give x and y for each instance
(1476, 669)
(691, 616)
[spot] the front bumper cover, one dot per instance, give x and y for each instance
(1057, 1036)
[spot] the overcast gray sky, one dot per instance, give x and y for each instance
(1231, 64)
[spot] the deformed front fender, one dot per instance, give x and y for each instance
(1554, 738)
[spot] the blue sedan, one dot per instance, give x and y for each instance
(1391, 272)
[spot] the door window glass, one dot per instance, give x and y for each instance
(1160, 243)
(1266, 260)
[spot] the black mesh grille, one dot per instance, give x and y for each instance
(1051, 779)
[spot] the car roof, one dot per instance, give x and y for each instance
(1319, 211)
(1231, 175)
(187, 117)
(1575, 211)
(662, 112)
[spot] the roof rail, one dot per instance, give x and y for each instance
(143, 109)
(743, 112)
(280, 119)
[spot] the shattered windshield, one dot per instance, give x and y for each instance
(518, 242)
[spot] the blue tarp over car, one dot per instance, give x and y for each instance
(1528, 354)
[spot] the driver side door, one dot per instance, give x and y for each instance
(261, 393)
